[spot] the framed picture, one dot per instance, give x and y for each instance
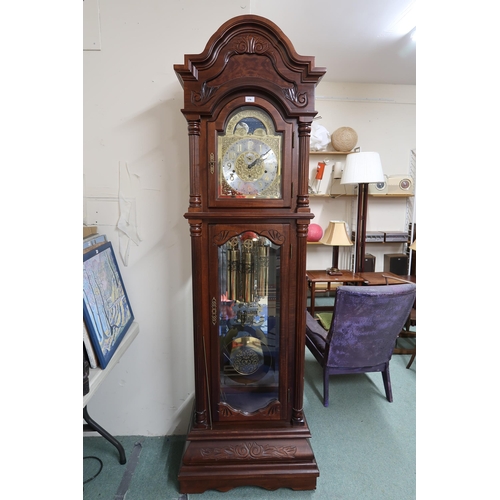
(106, 308)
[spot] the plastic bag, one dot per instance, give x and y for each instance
(320, 137)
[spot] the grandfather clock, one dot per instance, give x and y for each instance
(249, 104)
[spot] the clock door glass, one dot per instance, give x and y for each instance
(249, 156)
(249, 319)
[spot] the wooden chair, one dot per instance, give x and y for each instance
(366, 322)
(406, 333)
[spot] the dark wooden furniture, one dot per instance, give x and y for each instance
(321, 276)
(366, 322)
(249, 106)
(407, 333)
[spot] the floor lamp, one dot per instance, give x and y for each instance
(362, 169)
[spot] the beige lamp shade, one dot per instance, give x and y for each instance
(336, 234)
(361, 168)
(413, 246)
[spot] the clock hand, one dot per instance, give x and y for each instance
(259, 159)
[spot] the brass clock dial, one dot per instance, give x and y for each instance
(250, 156)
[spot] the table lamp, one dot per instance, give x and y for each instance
(336, 236)
(361, 169)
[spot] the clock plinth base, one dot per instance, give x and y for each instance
(222, 479)
(272, 458)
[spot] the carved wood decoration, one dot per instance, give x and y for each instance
(249, 105)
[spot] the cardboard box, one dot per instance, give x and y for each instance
(89, 230)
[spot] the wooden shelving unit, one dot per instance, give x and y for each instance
(380, 196)
(323, 153)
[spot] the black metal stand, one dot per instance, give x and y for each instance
(92, 425)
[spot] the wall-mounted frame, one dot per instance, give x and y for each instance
(106, 307)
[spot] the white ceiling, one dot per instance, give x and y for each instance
(362, 41)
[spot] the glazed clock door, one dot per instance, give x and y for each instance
(247, 321)
(250, 162)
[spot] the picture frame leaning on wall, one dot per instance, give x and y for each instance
(106, 308)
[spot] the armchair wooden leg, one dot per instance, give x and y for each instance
(387, 384)
(326, 382)
(411, 360)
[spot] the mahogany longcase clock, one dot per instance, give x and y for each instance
(249, 104)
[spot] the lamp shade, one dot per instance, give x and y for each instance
(413, 246)
(336, 234)
(362, 168)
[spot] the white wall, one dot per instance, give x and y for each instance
(136, 151)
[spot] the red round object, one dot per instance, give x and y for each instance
(314, 233)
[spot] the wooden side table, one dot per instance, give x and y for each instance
(314, 277)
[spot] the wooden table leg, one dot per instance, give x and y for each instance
(313, 297)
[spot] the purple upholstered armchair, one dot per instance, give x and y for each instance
(366, 322)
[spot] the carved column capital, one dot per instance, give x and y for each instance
(195, 228)
(305, 130)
